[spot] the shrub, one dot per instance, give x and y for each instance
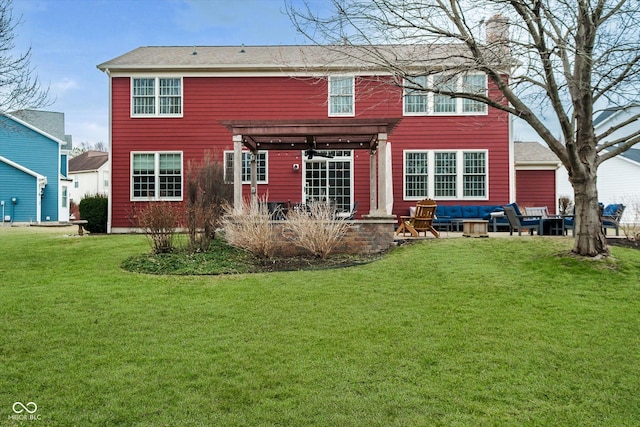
(252, 230)
(159, 221)
(207, 194)
(94, 210)
(316, 229)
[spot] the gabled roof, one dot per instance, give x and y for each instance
(50, 122)
(88, 161)
(632, 154)
(534, 153)
(41, 178)
(607, 113)
(285, 58)
(35, 129)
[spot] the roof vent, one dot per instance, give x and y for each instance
(195, 52)
(242, 48)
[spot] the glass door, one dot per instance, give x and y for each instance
(328, 177)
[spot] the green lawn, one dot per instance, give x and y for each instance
(454, 332)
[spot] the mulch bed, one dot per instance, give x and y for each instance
(311, 263)
(625, 243)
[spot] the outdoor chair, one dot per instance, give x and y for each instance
(542, 212)
(420, 221)
(611, 217)
(277, 210)
(517, 221)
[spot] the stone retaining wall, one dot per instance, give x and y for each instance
(366, 236)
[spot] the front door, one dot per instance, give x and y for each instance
(328, 176)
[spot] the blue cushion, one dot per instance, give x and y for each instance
(455, 211)
(441, 211)
(611, 210)
(515, 208)
(484, 212)
(470, 212)
(529, 222)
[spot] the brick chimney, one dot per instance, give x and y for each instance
(497, 29)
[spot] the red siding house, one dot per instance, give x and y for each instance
(172, 105)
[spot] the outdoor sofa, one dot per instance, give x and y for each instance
(450, 217)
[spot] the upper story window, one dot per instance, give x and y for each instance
(475, 83)
(415, 100)
(341, 96)
(156, 97)
(261, 160)
(156, 176)
(454, 174)
(418, 102)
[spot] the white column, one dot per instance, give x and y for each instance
(382, 174)
(237, 173)
(254, 177)
(373, 179)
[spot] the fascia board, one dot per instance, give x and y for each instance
(35, 129)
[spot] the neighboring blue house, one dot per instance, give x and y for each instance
(33, 167)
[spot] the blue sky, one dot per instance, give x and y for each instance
(69, 38)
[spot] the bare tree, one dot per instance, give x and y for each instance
(553, 62)
(19, 86)
(87, 146)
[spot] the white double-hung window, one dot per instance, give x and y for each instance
(156, 176)
(419, 102)
(416, 100)
(156, 97)
(261, 163)
(450, 174)
(341, 96)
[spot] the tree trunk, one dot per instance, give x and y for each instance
(587, 227)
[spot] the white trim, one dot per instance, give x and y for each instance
(325, 160)
(23, 169)
(521, 166)
(431, 174)
(353, 95)
(459, 101)
(140, 72)
(110, 191)
(35, 129)
(248, 181)
(156, 89)
(41, 182)
(156, 196)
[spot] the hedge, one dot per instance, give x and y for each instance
(94, 210)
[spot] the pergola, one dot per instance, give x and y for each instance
(321, 134)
